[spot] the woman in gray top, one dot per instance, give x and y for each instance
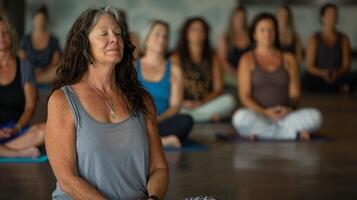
(102, 139)
(269, 89)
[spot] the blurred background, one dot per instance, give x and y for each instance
(140, 12)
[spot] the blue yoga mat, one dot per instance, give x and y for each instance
(188, 146)
(40, 159)
(237, 138)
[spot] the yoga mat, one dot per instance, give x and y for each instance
(236, 138)
(188, 146)
(40, 159)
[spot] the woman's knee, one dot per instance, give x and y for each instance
(229, 101)
(316, 117)
(241, 118)
(186, 124)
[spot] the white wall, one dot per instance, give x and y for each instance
(140, 12)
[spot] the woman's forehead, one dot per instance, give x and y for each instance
(106, 21)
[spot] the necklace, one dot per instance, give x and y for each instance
(107, 101)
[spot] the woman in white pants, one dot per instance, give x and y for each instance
(203, 83)
(269, 88)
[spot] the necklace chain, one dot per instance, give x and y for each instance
(107, 101)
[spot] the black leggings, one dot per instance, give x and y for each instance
(179, 125)
(315, 83)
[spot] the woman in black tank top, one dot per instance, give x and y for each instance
(289, 38)
(233, 43)
(328, 55)
(18, 96)
(268, 87)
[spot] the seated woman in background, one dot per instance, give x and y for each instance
(289, 38)
(233, 44)
(164, 82)
(18, 96)
(41, 48)
(328, 57)
(269, 88)
(202, 74)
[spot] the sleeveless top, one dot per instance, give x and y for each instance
(113, 158)
(234, 55)
(198, 81)
(291, 48)
(328, 57)
(270, 88)
(12, 95)
(39, 58)
(160, 90)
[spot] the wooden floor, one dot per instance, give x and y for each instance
(245, 170)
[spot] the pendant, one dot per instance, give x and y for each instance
(112, 114)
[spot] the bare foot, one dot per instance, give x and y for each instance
(26, 152)
(216, 117)
(304, 136)
(171, 140)
(253, 137)
(29, 152)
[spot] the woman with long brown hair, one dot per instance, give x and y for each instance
(101, 135)
(203, 83)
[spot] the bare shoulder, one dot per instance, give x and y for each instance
(312, 38)
(58, 103)
(247, 60)
(174, 58)
(345, 37)
(175, 70)
(289, 60)
(288, 56)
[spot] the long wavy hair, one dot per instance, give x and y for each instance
(77, 57)
(183, 46)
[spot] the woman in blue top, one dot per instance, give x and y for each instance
(164, 82)
(41, 48)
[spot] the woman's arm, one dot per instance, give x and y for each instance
(294, 84)
(217, 81)
(49, 74)
(176, 93)
(30, 105)
(311, 58)
(244, 83)
(60, 146)
(158, 169)
(346, 57)
(298, 50)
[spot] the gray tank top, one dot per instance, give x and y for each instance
(113, 158)
(270, 88)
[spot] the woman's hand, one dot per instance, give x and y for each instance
(191, 104)
(7, 132)
(278, 112)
